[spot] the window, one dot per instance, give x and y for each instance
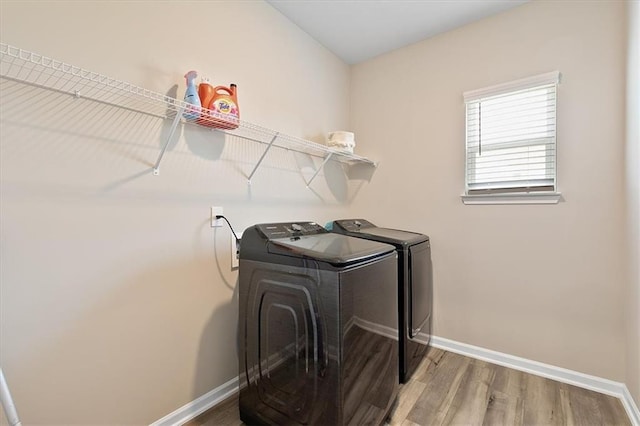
(511, 142)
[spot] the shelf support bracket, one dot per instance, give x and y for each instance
(174, 126)
(273, 139)
(327, 158)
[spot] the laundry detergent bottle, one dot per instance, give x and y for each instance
(224, 107)
(205, 92)
(192, 110)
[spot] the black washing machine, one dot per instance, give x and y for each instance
(314, 313)
(415, 286)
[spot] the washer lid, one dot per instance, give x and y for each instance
(395, 236)
(365, 229)
(336, 249)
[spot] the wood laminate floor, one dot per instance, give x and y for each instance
(451, 389)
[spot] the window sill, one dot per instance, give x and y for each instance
(531, 198)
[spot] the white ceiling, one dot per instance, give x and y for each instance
(357, 30)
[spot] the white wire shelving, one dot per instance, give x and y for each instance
(37, 70)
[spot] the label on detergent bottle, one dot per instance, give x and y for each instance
(224, 106)
(225, 109)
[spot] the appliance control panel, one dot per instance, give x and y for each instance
(290, 229)
(354, 225)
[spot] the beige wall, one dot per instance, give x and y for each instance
(118, 302)
(633, 200)
(544, 282)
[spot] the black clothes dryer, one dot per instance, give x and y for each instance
(415, 286)
(314, 313)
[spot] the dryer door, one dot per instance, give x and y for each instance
(420, 288)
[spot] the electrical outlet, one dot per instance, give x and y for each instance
(216, 223)
(235, 252)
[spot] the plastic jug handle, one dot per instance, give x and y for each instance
(226, 89)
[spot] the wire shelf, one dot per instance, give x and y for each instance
(37, 70)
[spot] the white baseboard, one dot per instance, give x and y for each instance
(598, 384)
(559, 374)
(630, 406)
(193, 409)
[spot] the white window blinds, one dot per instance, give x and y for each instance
(511, 137)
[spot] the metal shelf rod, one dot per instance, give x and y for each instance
(319, 168)
(262, 157)
(174, 126)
